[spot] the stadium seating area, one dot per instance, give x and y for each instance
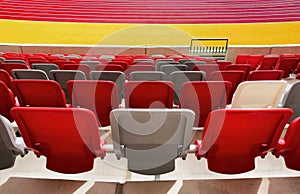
(152, 120)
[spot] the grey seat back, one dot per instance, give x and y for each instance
(10, 145)
(151, 139)
(63, 76)
(29, 74)
(147, 76)
(168, 69)
(292, 100)
(46, 67)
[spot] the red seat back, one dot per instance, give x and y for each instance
(204, 96)
(7, 101)
(99, 96)
(289, 148)
(232, 138)
(265, 75)
(67, 137)
(234, 77)
(149, 94)
(39, 93)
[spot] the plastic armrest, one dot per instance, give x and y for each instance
(198, 144)
(280, 149)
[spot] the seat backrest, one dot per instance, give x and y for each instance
(147, 75)
(254, 61)
(67, 137)
(180, 77)
(115, 76)
(9, 147)
(160, 62)
(98, 96)
(258, 94)
(191, 64)
(288, 65)
(204, 96)
(10, 66)
(239, 67)
(86, 69)
(234, 77)
(151, 139)
(265, 75)
(232, 138)
(7, 101)
(241, 58)
(39, 93)
(289, 147)
(91, 64)
(46, 67)
(207, 68)
(109, 67)
(29, 74)
(268, 62)
(63, 76)
(168, 69)
(134, 68)
(6, 78)
(149, 94)
(291, 100)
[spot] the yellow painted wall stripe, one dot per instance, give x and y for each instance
(34, 32)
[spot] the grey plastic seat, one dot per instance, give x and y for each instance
(46, 67)
(63, 76)
(191, 64)
(10, 145)
(116, 76)
(292, 100)
(92, 64)
(179, 77)
(151, 139)
(147, 76)
(168, 69)
(160, 63)
(29, 74)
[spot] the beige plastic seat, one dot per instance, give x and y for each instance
(258, 94)
(151, 139)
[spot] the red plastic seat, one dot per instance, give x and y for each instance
(265, 75)
(7, 101)
(67, 137)
(39, 93)
(6, 78)
(239, 67)
(234, 77)
(207, 68)
(86, 69)
(288, 65)
(288, 147)
(254, 61)
(149, 94)
(204, 96)
(10, 66)
(241, 58)
(109, 67)
(268, 62)
(101, 97)
(233, 138)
